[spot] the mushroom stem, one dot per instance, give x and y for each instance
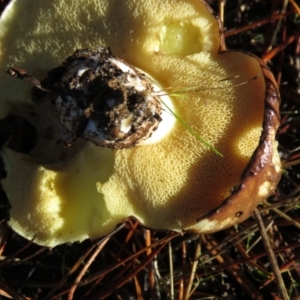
(105, 100)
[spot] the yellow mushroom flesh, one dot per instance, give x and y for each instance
(167, 184)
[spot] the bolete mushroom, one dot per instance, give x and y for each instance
(173, 182)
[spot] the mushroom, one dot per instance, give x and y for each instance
(165, 178)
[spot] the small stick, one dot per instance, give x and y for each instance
(193, 273)
(270, 253)
(221, 10)
(23, 75)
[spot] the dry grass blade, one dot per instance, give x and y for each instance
(10, 293)
(150, 266)
(193, 272)
(296, 6)
(286, 217)
(268, 56)
(71, 271)
(171, 271)
(233, 270)
(253, 25)
(85, 268)
(122, 281)
(271, 256)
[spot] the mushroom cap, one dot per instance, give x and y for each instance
(60, 195)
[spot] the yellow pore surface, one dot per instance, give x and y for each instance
(165, 185)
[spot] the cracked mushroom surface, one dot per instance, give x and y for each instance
(167, 181)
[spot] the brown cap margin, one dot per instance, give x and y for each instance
(261, 175)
